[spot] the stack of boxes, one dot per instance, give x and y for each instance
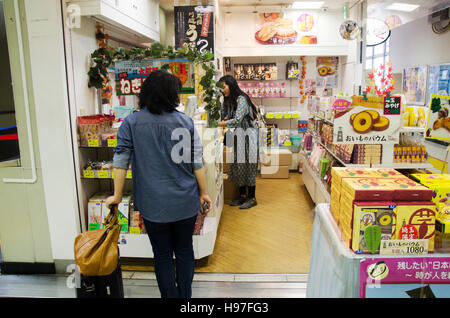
(440, 185)
(366, 154)
(371, 204)
(275, 163)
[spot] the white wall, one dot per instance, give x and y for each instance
(49, 89)
(415, 44)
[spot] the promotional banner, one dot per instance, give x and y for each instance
(414, 84)
(131, 74)
(293, 27)
(376, 124)
(438, 125)
(327, 69)
(408, 277)
(195, 25)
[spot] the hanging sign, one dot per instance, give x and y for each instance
(195, 25)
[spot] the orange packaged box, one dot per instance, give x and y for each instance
(367, 189)
(407, 189)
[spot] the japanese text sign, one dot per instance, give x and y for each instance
(392, 106)
(397, 277)
(195, 25)
(131, 74)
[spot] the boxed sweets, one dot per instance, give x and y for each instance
(95, 211)
(372, 222)
(415, 220)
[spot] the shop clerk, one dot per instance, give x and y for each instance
(168, 195)
(239, 112)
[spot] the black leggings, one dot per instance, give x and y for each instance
(251, 191)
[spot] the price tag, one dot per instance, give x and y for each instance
(103, 174)
(279, 116)
(287, 115)
(295, 115)
(287, 143)
(93, 142)
(269, 116)
(112, 142)
(129, 174)
(135, 230)
(89, 174)
(400, 247)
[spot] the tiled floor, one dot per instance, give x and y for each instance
(144, 285)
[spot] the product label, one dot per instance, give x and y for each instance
(103, 174)
(93, 142)
(399, 247)
(112, 142)
(89, 174)
(128, 174)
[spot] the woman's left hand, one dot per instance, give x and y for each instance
(222, 124)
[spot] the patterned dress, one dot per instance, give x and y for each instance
(244, 168)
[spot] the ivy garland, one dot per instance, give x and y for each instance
(104, 57)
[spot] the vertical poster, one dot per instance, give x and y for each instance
(327, 68)
(412, 277)
(414, 85)
(195, 25)
(438, 80)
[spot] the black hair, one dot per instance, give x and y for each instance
(235, 92)
(159, 92)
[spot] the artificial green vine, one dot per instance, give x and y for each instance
(102, 58)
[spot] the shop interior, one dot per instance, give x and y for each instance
(309, 70)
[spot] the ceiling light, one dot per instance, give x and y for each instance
(403, 7)
(307, 4)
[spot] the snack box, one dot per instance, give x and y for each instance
(124, 212)
(438, 183)
(415, 220)
(407, 189)
(367, 189)
(372, 222)
(95, 211)
(424, 177)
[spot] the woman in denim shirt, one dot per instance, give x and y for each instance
(169, 188)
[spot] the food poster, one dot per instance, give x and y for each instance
(438, 125)
(368, 125)
(409, 277)
(414, 85)
(438, 80)
(131, 74)
(327, 71)
(275, 28)
(195, 25)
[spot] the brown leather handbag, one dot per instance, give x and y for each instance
(97, 252)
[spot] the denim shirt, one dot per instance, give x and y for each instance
(164, 189)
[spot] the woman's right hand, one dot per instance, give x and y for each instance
(205, 198)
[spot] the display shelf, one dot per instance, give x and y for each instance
(420, 165)
(412, 129)
(314, 184)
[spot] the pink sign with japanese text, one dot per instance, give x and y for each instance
(411, 277)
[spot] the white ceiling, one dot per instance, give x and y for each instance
(168, 5)
(426, 6)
